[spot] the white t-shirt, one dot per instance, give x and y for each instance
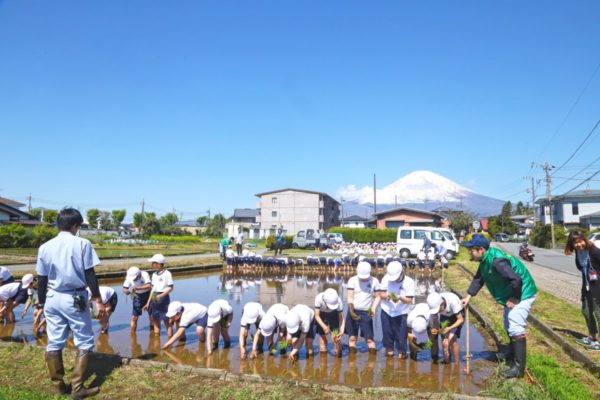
(453, 305)
(421, 309)
(251, 308)
(364, 292)
(245, 253)
(406, 288)
(106, 293)
(306, 314)
(320, 304)
(5, 273)
(160, 282)
(192, 312)
(9, 290)
(279, 311)
(229, 253)
(225, 307)
(239, 239)
(144, 279)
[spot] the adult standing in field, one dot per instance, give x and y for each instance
(362, 307)
(158, 302)
(137, 285)
(587, 260)
(511, 285)
(279, 242)
(397, 292)
(239, 241)
(65, 266)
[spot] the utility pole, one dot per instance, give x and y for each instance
(142, 219)
(531, 191)
(547, 169)
(29, 208)
(374, 194)
(395, 201)
(342, 203)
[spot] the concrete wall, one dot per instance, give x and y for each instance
(408, 217)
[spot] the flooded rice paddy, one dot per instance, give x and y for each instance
(292, 288)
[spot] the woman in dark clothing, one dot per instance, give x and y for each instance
(587, 260)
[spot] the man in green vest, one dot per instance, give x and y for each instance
(511, 285)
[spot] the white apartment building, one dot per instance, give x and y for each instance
(294, 210)
(579, 208)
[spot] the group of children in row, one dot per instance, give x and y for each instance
(297, 326)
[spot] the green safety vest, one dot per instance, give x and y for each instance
(497, 285)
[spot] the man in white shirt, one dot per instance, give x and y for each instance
(451, 312)
(137, 285)
(182, 316)
(397, 293)
(362, 307)
(300, 325)
(239, 241)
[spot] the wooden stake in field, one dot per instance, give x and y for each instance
(468, 355)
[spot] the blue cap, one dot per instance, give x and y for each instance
(477, 241)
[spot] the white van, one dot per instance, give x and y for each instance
(410, 240)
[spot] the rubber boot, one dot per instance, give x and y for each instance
(507, 355)
(520, 351)
(77, 378)
(57, 372)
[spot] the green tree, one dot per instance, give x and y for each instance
(93, 215)
(105, 221)
(461, 221)
(117, 217)
(169, 219)
(202, 220)
(37, 213)
(14, 235)
(216, 226)
(43, 233)
(520, 210)
(50, 216)
(503, 221)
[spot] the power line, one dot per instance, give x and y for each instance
(578, 147)
(580, 171)
(586, 180)
(571, 109)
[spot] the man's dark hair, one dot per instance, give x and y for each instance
(67, 218)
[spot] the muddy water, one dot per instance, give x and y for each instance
(359, 369)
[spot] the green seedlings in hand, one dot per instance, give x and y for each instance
(443, 326)
(274, 351)
(282, 345)
(394, 297)
(426, 346)
(154, 295)
(223, 322)
(370, 312)
(335, 332)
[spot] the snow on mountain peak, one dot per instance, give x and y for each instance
(416, 187)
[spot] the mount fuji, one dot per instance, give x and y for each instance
(424, 190)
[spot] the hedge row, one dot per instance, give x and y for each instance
(17, 236)
(272, 241)
(366, 235)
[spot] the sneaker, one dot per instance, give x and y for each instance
(586, 341)
(594, 346)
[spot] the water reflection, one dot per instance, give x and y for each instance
(290, 288)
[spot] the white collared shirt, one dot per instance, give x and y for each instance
(406, 288)
(161, 280)
(144, 279)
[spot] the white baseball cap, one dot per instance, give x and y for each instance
(394, 270)
(174, 308)
(133, 272)
(267, 325)
(363, 270)
(434, 300)
(419, 329)
(292, 322)
(331, 299)
(214, 314)
(26, 280)
(250, 313)
(157, 258)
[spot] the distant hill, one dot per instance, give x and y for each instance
(423, 190)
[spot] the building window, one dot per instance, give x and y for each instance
(575, 208)
(406, 234)
(320, 211)
(273, 213)
(273, 200)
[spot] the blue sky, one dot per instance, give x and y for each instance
(194, 105)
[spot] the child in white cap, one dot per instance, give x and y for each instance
(137, 285)
(15, 293)
(158, 301)
(109, 298)
(362, 306)
(273, 320)
(300, 326)
(251, 315)
(451, 312)
(329, 320)
(220, 316)
(397, 293)
(418, 322)
(182, 316)
(6, 276)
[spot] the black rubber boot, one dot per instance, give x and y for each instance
(520, 351)
(77, 378)
(507, 355)
(57, 372)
